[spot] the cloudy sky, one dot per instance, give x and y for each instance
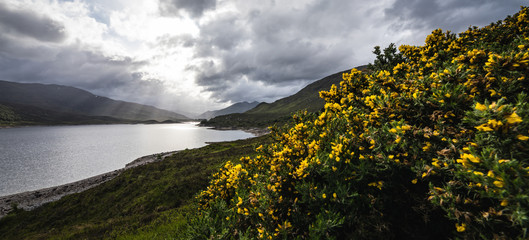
(198, 55)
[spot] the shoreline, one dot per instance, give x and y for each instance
(257, 132)
(32, 199)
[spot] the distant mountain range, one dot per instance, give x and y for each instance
(239, 107)
(278, 112)
(49, 104)
(33, 103)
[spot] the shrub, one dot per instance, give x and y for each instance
(432, 142)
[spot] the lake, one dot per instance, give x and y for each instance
(37, 157)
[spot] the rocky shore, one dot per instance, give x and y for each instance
(32, 199)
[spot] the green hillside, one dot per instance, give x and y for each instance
(432, 143)
(280, 111)
(239, 107)
(69, 103)
(21, 115)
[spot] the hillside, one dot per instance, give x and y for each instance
(280, 111)
(75, 102)
(239, 107)
(432, 143)
(20, 115)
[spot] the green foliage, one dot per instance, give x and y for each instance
(387, 59)
(280, 111)
(7, 116)
(430, 143)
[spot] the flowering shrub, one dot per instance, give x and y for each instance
(430, 142)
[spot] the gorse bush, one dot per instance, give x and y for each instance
(431, 142)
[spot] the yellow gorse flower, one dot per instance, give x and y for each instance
(461, 227)
(480, 107)
(514, 118)
(441, 114)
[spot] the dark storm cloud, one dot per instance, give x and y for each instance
(194, 7)
(279, 48)
(452, 15)
(275, 46)
(243, 50)
(30, 24)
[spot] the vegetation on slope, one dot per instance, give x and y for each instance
(145, 197)
(239, 107)
(24, 115)
(280, 111)
(432, 143)
(58, 101)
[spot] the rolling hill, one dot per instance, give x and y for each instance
(239, 107)
(50, 103)
(266, 114)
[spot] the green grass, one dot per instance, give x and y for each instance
(145, 201)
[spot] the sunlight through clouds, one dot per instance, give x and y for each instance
(193, 56)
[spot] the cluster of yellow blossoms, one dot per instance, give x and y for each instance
(434, 143)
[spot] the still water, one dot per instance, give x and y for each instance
(38, 157)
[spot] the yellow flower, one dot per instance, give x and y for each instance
(427, 147)
(514, 118)
(498, 184)
(406, 127)
(324, 196)
(414, 181)
(470, 157)
(494, 123)
(461, 227)
(480, 107)
(522, 137)
(504, 202)
(376, 184)
(484, 128)
(490, 174)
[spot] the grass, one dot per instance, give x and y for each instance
(155, 197)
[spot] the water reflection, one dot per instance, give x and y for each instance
(37, 157)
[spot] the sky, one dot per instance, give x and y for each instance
(191, 56)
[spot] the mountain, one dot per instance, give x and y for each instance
(36, 100)
(239, 107)
(19, 114)
(266, 114)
